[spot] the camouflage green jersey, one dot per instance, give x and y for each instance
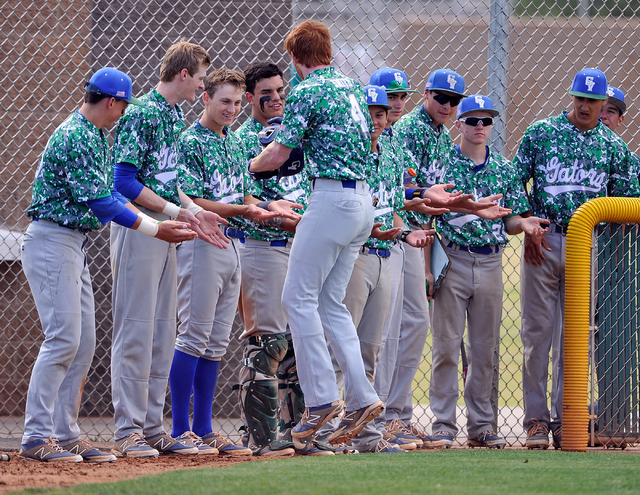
(570, 167)
(384, 178)
(212, 167)
(146, 137)
(496, 175)
(74, 169)
(295, 188)
(427, 146)
(327, 114)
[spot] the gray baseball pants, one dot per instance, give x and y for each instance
(471, 294)
(144, 328)
(54, 261)
(332, 230)
(542, 300)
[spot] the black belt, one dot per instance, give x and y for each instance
(382, 253)
(558, 229)
(490, 249)
(233, 233)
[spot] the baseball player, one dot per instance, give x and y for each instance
(144, 270)
(326, 114)
(72, 195)
(269, 385)
(612, 114)
(471, 294)
(571, 158)
(212, 171)
(369, 289)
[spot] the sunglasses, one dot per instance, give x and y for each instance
(474, 121)
(444, 99)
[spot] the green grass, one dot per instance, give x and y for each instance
(447, 472)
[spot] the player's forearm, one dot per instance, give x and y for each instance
(222, 209)
(271, 158)
(280, 223)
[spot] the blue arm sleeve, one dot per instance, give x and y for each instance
(119, 197)
(126, 182)
(109, 208)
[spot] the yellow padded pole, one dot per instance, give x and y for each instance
(575, 415)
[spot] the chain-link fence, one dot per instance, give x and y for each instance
(522, 54)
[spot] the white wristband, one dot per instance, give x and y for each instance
(194, 208)
(148, 227)
(172, 210)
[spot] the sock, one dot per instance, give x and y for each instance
(181, 376)
(204, 389)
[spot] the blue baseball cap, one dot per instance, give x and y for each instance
(476, 103)
(112, 82)
(445, 80)
(393, 80)
(616, 97)
(377, 95)
(590, 83)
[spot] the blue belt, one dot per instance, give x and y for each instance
(382, 253)
(233, 233)
(84, 230)
(478, 249)
(278, 243)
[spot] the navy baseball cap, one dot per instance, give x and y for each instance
(590, 83)
(476, 102)
(616, 97)
(377, 95)
(445, 80)
(393, 80)
(112, 82)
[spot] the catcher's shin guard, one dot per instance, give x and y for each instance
(259, 402)
(290, 397)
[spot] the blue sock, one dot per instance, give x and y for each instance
(181, 376)
(204, 390)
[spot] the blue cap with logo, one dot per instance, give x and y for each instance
(590, 83)
(393, 80)
(616, 98)
(112, 82)
(445, 80)
(377, 95)
(476, 103)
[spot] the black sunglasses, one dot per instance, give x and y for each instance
(444, 99)
(474, 121)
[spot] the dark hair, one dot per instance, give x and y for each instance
(93, 98)
(259, 71)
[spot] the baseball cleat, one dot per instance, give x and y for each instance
(557, 438)
(399, 442)
(134, 445)
(88, 452)
(224, 445)
(487, 439)
(353, 422)
(315, 417)
(203, 448)
(166, 444)
(385, 447)
(402, 433)
(537, 436)
(438, 440)
(312, 447)
(47, 451)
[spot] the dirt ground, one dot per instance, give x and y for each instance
(18, 474)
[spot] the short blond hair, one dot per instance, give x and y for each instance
(219, 77)
(183, 55)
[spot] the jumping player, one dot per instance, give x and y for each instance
(572, 158)
(72, 195)
(144, 270)
(326, 114)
